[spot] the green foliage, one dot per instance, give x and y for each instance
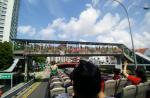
(39, 59)
(6, 55)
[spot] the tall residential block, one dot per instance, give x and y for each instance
(9, 10)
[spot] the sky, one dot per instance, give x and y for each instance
(85, 20)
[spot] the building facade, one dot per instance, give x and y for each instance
(9, 10)
(97, 60)
(58, 59)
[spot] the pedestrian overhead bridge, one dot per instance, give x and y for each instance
(28, 47)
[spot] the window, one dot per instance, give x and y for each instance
(1, 35)
(1, 24)
(4, 5)
(4, 8)
(2, 20)
(1, 28)
(3, 16)
(3, 12)
(1, 32)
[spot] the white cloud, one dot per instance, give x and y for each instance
(134, 5)
(115, 36)
(107, 23)
(105, 39)
(113, 3)
(47, 33)
(29, 30)
(143, 35)
(90, 24)
(142, 40)
(82, 40)
(87, 25)
(62, 36)
(95, 3)
(77, 26)
(124, 24)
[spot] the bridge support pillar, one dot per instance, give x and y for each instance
(119, 62)
(26, 69)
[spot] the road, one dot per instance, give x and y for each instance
(40, 88)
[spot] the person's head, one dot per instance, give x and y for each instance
(86, 80)
(116, 71)
(53, 62)
(140, 72)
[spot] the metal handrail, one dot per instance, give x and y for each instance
(13, 93)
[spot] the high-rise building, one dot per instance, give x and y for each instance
(9, 10)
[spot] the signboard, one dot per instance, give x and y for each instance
(5, 76)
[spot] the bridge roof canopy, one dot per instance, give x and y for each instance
(63, 42)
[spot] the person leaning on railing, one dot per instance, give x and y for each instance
(140, 75)
(53, 70)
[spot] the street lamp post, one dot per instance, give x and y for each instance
(135, 62)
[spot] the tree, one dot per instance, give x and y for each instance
(6, 55)
(39, 59)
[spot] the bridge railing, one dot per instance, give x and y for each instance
(128, 53)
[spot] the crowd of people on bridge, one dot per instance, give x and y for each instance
(67, 49)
